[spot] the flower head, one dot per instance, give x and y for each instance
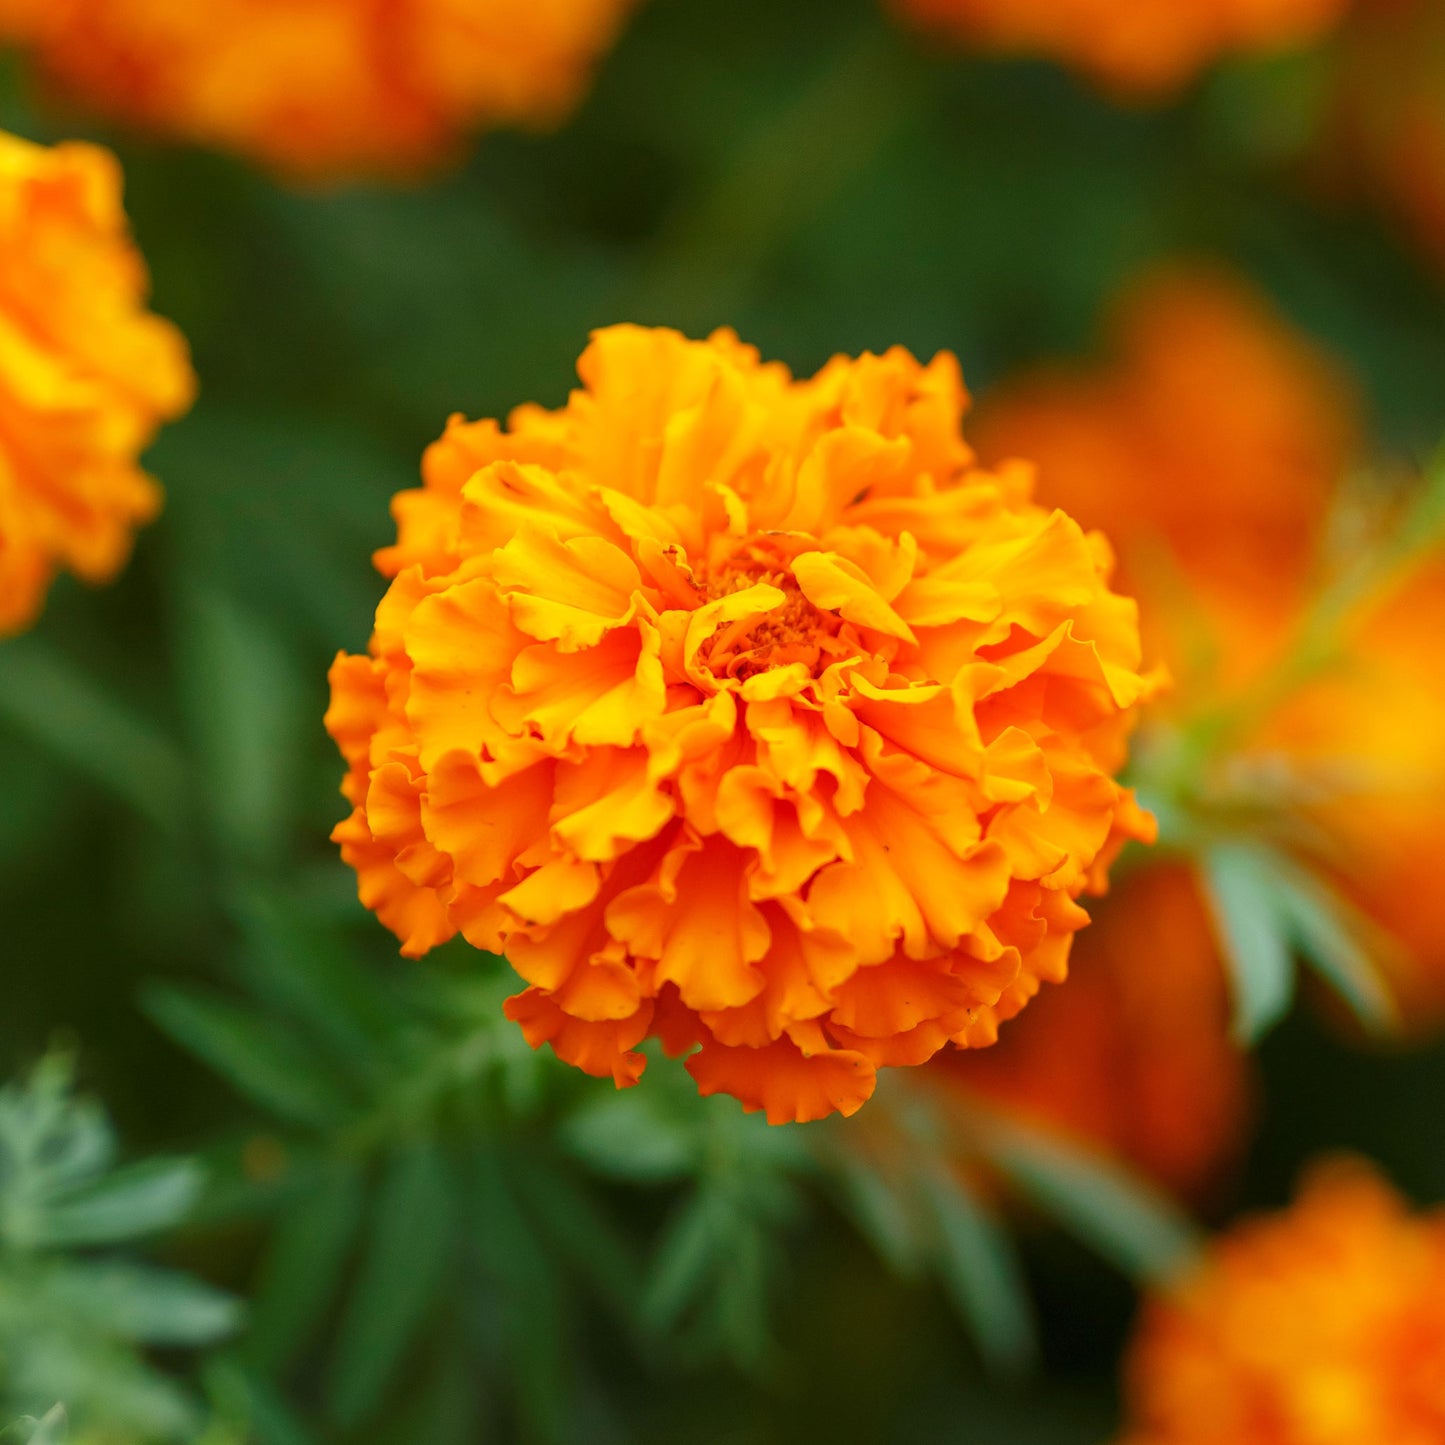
(742, 712)
(1134, 1057)
(319, 87)
(1211, 451)
(1140, 48)
(86, 373)
(1209, 447)
(1362, 737)
(1323, 1325)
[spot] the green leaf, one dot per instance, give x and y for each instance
(623, 1136)
(981, 1270)
(143, 1199)
(1125, 1219)
(1254, 929)
(147, 1305)
(1329, 936)
(883, 1211)
(579, 1231)
(52, 1430)
(249, 1051)
(245, 705)
(303, 1269)
(404, 1265)
(694, 1242)
(62, 710)
(240, 1392)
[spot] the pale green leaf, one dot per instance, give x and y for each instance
(143, 1199)
(1254, 929)
(981, 1271)
(1127, 1220)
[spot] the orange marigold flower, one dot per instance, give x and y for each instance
(1211, 452)
(1134, 1056)
(1323, 1325)
(1137, 48)
(741, 712)
(86, 373)
(1386, 136)
(1209, 448)
(319, 87)
(1363, 739)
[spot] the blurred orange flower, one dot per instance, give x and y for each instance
(742, 712)
(86, 373)
(1209, 447)
(1364, 738)
(1387, 131)
(1211, 450)
(1323, 1325)
(319, 87)
(1138, 48)
(1134, 1055)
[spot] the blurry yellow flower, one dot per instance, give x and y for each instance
(1134, 1055)
(1387, 132)
(1139, 48)
(742, 712)
(1323, 1325)
(86, 373)
(319, 87)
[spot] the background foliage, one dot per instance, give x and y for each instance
(429, 1232)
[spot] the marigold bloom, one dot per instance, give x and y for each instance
(1134, 1056)
(1211, 452)
(1363, 739)
(86, 373)
(319, 87)
(1139, 48)
(1323, 1325)
(1387, 136)
(1209, 448)
(742, 712)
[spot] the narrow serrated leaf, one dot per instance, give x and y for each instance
(1329, 939)
(143, 1199)
(1118, 1214)
(403, 1266)
(144, 1304)
(693, 1243)
(303, 1269)
(981, 1271)
(1244, 897)
(74, 718)
(250, 1052)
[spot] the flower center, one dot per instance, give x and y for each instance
(796, 631)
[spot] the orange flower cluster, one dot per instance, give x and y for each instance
(1211, 451)
(1324, 1325)
(319, 87)
(741, 712)
(1134, 1056)
(1388, 122)
(1138, 48)
(86, 373)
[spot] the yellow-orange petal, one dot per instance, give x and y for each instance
(791, 1084)
(603, 1048)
